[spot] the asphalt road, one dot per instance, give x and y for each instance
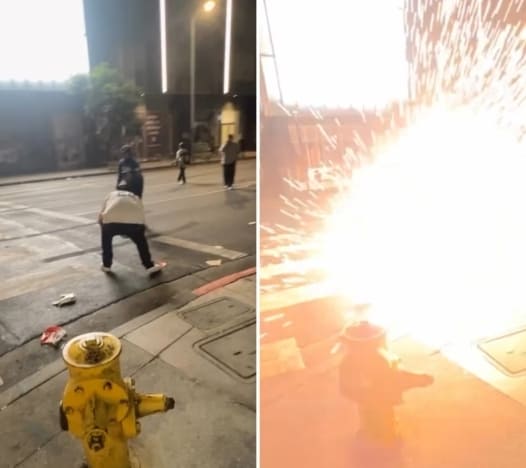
(50, 242)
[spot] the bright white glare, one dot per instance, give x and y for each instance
(42, 40)
(432, 234)
(209, 6)
(228, 39)
(164, 72)
(339, 53)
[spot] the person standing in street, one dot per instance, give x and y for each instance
(122, 214)
(180, 158)
(128, 166)
(229, 155)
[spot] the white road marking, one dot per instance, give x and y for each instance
(272, 318)
(64, 216)
(209, 249)
(48, 213)
(251, 223)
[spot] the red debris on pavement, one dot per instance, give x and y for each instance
(52, 335)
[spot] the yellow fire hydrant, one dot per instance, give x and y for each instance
(372, 377)
(99, 407)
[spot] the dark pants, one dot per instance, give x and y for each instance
(134, 231)
(182, 175)
(229, 172)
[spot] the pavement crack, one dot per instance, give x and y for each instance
(46, 442)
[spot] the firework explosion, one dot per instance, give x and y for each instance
(432, 230)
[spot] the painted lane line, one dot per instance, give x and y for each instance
(273, 318)
(209, 249)
(66, 217)
(49, 214)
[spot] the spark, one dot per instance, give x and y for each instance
(423, 214)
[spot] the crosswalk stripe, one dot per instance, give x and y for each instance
(209, 249)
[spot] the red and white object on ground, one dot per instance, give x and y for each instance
(52, 335)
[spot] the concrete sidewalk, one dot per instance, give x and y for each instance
(202, 354)
(110, 169)
(458, 422)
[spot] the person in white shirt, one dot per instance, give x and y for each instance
(229, 155)
(180, 158)
(122, 214)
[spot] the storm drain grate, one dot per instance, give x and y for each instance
(215, 313)
(507, 352)
(235, 350)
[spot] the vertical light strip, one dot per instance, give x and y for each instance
(228, 44)
(164, 73)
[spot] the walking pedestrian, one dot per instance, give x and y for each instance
(229, 155)
(128, 166)
(180, 158)
(122, 214)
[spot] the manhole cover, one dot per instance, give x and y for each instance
(215, 313)
(508, 351)
(235, 350)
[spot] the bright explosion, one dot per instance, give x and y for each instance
(432, 231)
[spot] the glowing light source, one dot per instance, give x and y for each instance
(228, 45)
(164, 70)
(209, 6)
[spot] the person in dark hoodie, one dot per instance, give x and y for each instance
(128, 165)
(122, 214)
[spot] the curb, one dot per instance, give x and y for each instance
(56, 367)
(105, 172)
(222, 282)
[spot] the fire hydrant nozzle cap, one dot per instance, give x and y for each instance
(91, 349)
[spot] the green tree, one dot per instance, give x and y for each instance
(109, 103)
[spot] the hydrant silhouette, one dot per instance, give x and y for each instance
(370, 375)
(98, 406)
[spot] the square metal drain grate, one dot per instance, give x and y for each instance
(507, 352)
(235, 350)
(215, 313)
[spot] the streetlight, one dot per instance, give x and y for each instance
(207, 7)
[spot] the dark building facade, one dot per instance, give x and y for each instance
(40, 130)
(127, 35)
